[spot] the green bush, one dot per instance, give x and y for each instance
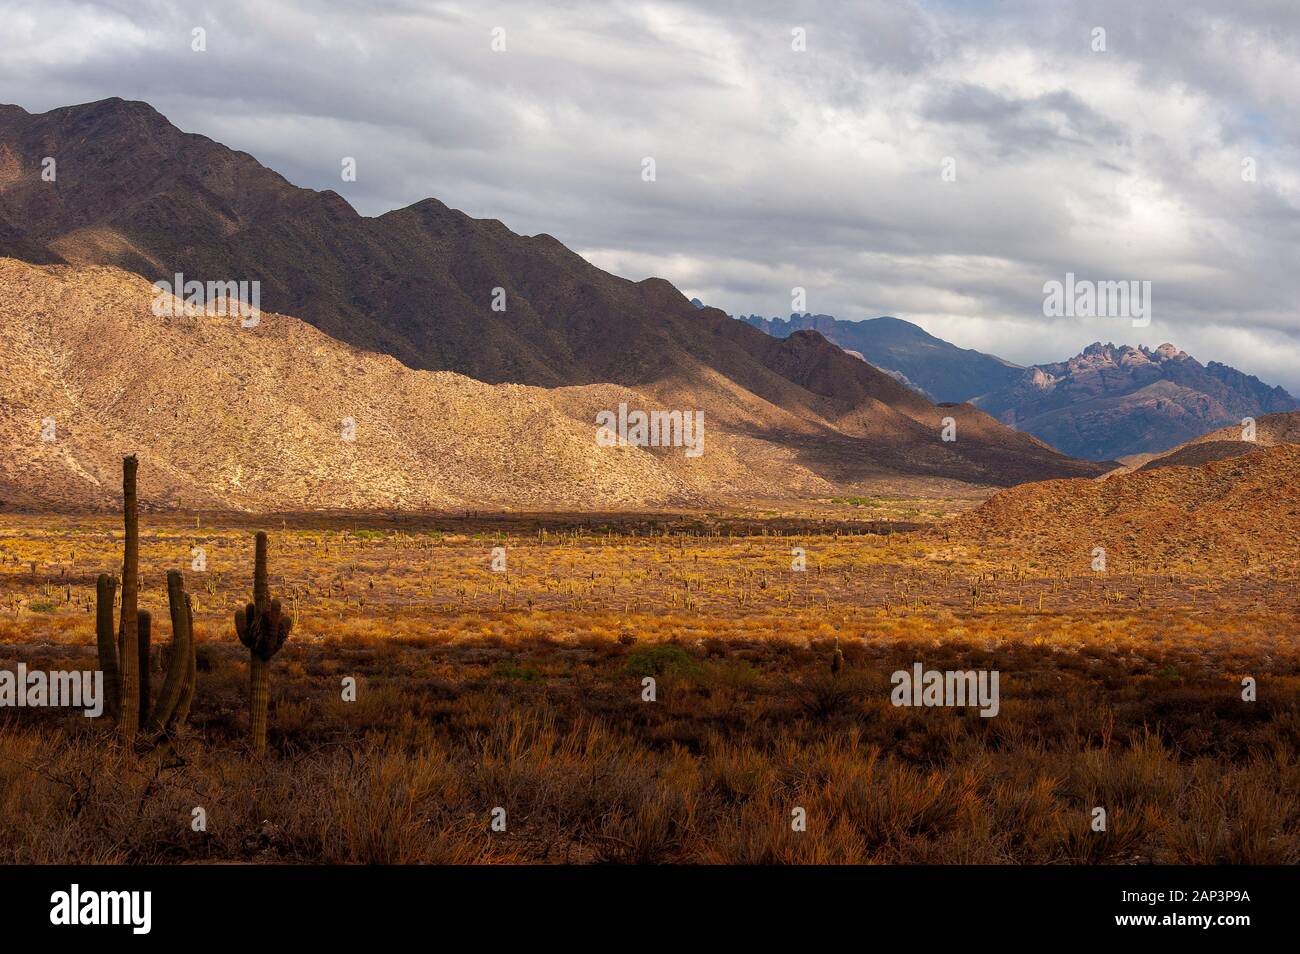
(507, 670)
(663, 659)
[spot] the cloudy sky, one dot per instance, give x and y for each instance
(775, 167)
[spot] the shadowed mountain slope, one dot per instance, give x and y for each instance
(228, 417)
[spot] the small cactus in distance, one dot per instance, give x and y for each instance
(837, 658)
(263, 629)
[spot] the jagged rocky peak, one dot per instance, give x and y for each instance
(1098, 354)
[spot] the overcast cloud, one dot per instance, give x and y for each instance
(776, 168)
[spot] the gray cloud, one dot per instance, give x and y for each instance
(776, 168)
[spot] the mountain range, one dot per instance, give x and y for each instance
(1110, 401)
(1107, 402)
(436, 290)
(932, 366)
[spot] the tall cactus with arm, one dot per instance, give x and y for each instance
(124, 657)
(263, 629)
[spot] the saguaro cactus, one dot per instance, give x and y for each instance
(106, 640)
(263, 629)
(180, 668)
(124, 660)
(192, 677)
(129, 628)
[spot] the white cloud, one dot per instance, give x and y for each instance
(776, 168)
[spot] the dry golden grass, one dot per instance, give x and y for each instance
(522, 690)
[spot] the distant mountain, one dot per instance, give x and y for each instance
(1110, 401)
(939, 370)
(441, 291)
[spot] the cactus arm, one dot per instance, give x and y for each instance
(282, 633)
(245, 622)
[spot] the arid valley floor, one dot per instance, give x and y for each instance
(522, 690)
